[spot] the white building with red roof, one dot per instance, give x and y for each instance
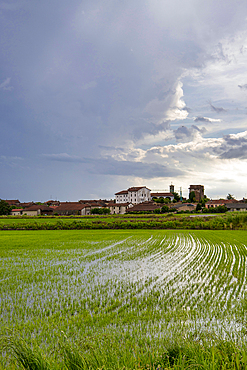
(134, 195)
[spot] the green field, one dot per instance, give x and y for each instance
(229, 221)
(130, 295)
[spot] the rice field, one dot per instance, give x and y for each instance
(147, 288)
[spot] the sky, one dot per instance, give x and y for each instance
(101, 95)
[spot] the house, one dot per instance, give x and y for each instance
(184, 207)
(73, 208)
(162, 195)
(16, 212)
(52, 203)
(122, 196)
(94, 203)
(37, 209)
(26, 204)
(218, 202)
(119, 208)
(242, 207)
(198, 190)
(148, 206)
(134, 195)
(13, 202)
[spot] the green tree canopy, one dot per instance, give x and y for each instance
(198, 207)
(192, 196)
(4, 207)
(164, 209)
(176, 196)
(100, 211)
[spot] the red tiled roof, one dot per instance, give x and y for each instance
(35, 207)
(112, 204)
(71, 207)
(221, 201)
(17, 210)
(136, 188)
(25, 205)
(12, 202)
(122, 192)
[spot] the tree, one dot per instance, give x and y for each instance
(157, 210)
(204, 200)
(164, 209)
(176, 196)
(230, 196)
(100, 211)
(4, 207)
(192, 196)
(198, 207)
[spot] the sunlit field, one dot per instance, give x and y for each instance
(128, 296)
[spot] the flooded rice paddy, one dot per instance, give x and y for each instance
(147, 283)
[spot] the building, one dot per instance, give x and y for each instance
(74, 208)
(199, 191)
(119, 208)
(242, 207)
(184, 207)
(163, 195)
(172, 188)
(213, 203)
(148, 206)
(134, 195)
(13, 202)
(37, 210)
(17, 212)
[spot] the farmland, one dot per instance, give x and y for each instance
(144, 290)
(138, 221)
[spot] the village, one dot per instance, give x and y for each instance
(138, 199)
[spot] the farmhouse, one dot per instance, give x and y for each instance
(134, 195)
(236, 207)
(119, 208)
(36, 210)
(16, 212)
(218, 202)
(73, 208)
(184, 207)
(144, 207)
(13, 202)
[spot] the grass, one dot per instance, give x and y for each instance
(123, 299)
(167, 221)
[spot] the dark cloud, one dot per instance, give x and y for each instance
(217, 109)
(202, 119)
(77, 76)
(232, 147)
(185, 134)
(244, 87)
(230, 140)
(109, 166)
(187, 109)
(150, 128)
(234, 153)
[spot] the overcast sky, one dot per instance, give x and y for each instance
(97, 96)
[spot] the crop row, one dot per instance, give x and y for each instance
(230, 221)
(150, 284)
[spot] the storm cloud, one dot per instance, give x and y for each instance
(185, 134)
(109, 166)
(217, 109)
(104, 84)
(244, 87)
